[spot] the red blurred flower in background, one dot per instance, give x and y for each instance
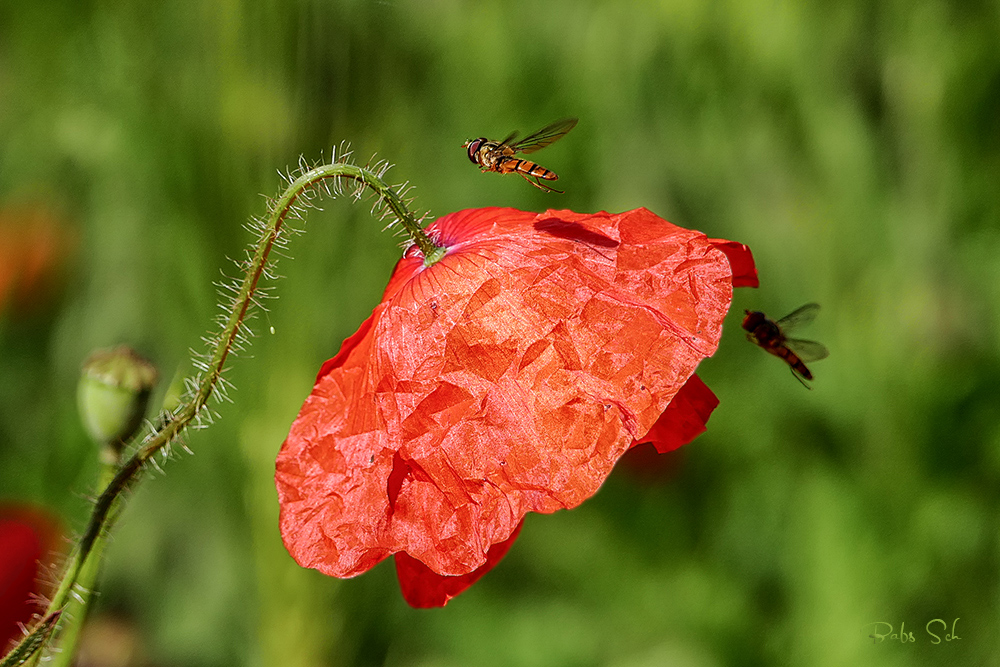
(506, 378)
(34, 246)
(27, 535)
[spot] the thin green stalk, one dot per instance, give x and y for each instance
(81, 570)
(78, 605)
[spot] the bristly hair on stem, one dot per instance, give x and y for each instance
(239, 299)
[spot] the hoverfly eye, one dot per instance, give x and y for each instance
(473, 147)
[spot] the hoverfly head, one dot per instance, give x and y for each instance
(473, 147)
(752, 320)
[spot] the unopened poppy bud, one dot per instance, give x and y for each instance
(112, 395)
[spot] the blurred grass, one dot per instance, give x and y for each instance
(856, 149)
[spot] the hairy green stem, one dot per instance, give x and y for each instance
(30, 647)
(81, 570)
(77, 606)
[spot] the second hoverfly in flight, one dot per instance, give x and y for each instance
(771, 337)
(500, 156)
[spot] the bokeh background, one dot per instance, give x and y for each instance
(855, 146)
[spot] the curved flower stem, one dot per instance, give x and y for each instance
(81, 570)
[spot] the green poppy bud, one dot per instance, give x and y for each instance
(112, 395)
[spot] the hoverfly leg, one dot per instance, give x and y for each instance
(799, 378)
(538, 184)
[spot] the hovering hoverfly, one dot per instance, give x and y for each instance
(772, 337)
(499, 156)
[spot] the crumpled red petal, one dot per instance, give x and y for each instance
(507, 378)
(684, 419)
(423, 588)
(740, 260)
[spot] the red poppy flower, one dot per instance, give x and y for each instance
(506, 378)
(26, 536)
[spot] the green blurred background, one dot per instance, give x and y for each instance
(854, 146)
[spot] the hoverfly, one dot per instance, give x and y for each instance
(499, 156)
(772, 337)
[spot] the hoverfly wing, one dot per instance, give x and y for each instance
(799, 317)
(544, 136)
(807, 350)
(510, 138)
